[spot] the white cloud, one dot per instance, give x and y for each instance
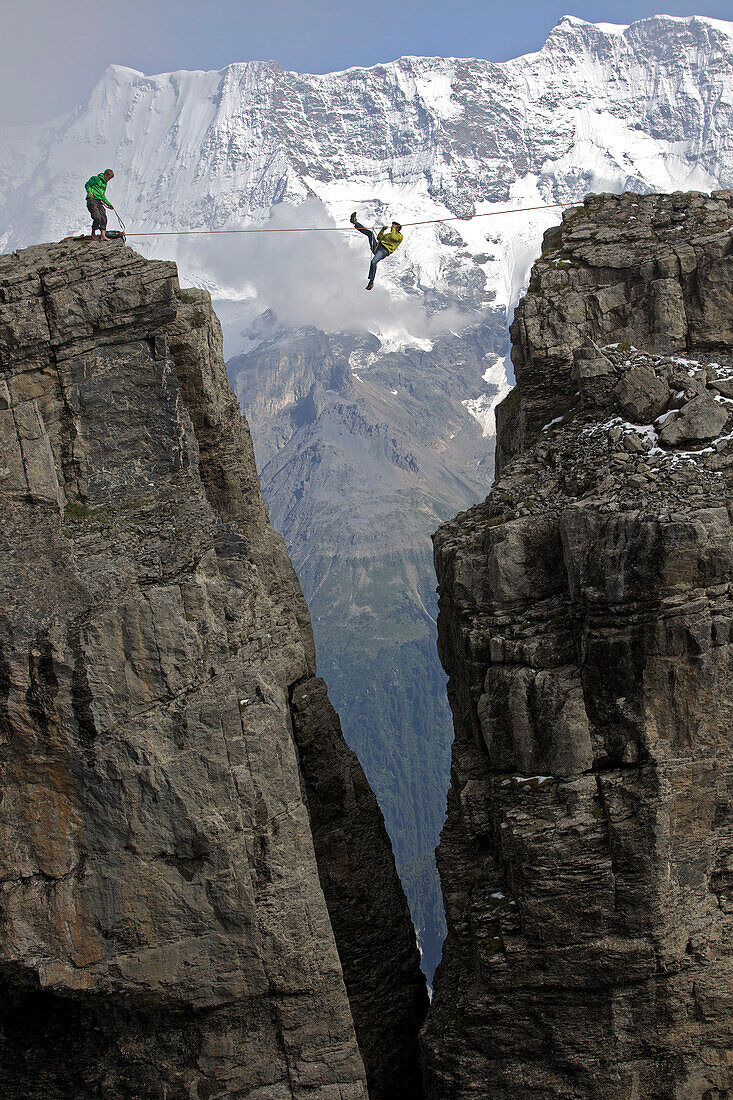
(316, 278)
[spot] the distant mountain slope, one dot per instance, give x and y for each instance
(359, 470)
(372, 414)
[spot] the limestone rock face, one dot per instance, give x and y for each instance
(164, 927)
(586, 625)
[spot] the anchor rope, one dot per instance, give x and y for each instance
(344, 228)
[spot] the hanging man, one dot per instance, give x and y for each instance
(96, 188)
(382, 244)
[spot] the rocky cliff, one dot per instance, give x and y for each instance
(182, 829)
(592, 108)
(586, 624)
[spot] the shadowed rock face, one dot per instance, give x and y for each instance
(164, 927)
(586, 625)
(387, 993)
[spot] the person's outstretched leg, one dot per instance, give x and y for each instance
(378, 250)
(380, 253)
(370, 235)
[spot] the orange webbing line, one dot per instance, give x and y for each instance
(342, 228)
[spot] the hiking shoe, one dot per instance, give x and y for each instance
(370, 285)
(352, 219)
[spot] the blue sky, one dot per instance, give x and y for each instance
(52, 52)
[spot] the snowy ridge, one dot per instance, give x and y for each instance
(647, 106)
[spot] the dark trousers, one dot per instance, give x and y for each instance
(378, 250)
(99, 214)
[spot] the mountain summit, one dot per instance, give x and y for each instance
(596, 108)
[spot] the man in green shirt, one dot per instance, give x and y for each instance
(96, 188)
(382, 244)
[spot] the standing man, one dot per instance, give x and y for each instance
(97, 201)
(382, 244)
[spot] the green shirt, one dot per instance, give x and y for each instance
(98, 187)
(390, 240)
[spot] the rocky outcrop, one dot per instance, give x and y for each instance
(649, 270)
(586, 626)
(164, 925)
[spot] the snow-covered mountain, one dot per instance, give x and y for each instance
(373, 413)
(596, 108)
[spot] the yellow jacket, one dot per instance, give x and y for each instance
(389, 240)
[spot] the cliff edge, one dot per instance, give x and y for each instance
(198, 894)
(586, 624)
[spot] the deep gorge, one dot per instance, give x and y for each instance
(199, 895)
